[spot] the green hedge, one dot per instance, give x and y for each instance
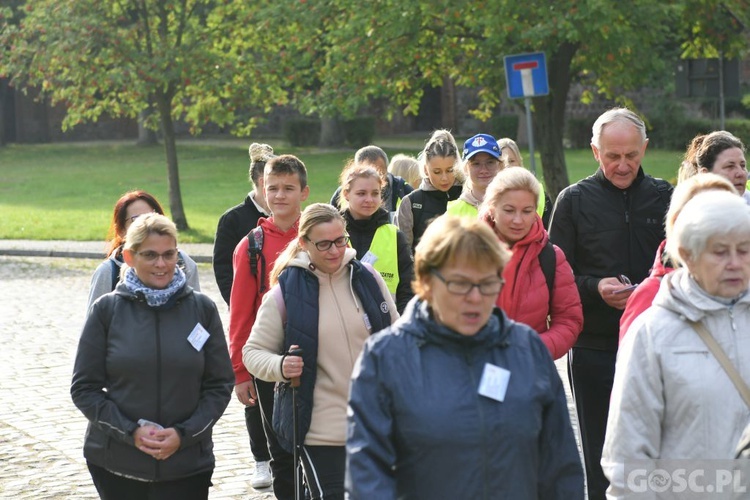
(302, 131)
(578, 131)
(359, 131)
(504, 126)
(740, 128)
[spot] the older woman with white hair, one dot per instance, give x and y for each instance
(671, 398)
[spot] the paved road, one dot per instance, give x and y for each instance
(42, 308)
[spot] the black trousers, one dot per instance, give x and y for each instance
(282, 462)
(258, 443)
(113, 487)
(591, 373)
(324, 468)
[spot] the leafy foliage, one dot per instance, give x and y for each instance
(118, 57)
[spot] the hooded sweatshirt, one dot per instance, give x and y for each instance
(246, 296)
(341, 334)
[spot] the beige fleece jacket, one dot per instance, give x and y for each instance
(341, 336)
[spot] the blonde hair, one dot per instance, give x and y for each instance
(690, 187)
(259, 155)
(352, 172)
(143, 227)
(450, 239)
(406, 167)
(509, 179)
(146, 225)
(317, 213)
(505, 142)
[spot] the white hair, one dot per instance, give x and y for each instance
(616, 115)
(705, 216)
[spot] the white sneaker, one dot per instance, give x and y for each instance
(262, 477)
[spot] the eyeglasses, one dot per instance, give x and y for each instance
(465, 287)
(325, 245)
(150, 256)
(489, 164)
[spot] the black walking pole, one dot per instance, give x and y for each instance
(295, 383)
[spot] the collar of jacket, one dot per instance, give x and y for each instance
(418, 320)
(376, 220)
(681, 294)
(123, 291)
(599, 175)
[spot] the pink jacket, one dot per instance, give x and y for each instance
(643, 296)
(525, 296)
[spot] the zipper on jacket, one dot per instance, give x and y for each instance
(158, 379)
(482, 426)
(627, 207)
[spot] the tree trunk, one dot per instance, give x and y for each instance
(164, 105)
(448, 105)
(549, 120)
(146, 136)
(331, 132)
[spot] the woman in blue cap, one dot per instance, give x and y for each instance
(481, 162)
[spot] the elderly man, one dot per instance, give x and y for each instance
(609, 225)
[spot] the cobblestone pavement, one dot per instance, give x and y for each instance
(42, 309)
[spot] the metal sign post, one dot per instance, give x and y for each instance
(526, 77)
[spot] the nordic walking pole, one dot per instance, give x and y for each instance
(295, 383)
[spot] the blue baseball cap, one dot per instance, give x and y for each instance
(481, 143)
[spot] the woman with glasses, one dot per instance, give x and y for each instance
(540, 289)
(128, 208)
(376, 240)
(327, 303)
(456, 400)
(152, 375)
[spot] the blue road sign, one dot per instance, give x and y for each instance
(526, 75)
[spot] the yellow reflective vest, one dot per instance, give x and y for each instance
(463, 209)
(384, 246)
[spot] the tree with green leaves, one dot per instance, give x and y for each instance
(116, 57)
(348, 53)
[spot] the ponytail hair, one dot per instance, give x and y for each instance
(317, 213)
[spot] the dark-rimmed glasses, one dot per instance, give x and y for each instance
(462, 287)
(325, 245)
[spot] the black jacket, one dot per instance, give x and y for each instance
(606, 231)
(233, 226)
(135, 361)
(361, 233)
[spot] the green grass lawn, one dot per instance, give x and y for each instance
(67, 191)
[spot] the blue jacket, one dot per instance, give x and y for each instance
(419, 429)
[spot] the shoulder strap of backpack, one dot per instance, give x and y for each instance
(255, 254)
(575, 192)
(115, 273)
(663, 188)
(547, 261)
